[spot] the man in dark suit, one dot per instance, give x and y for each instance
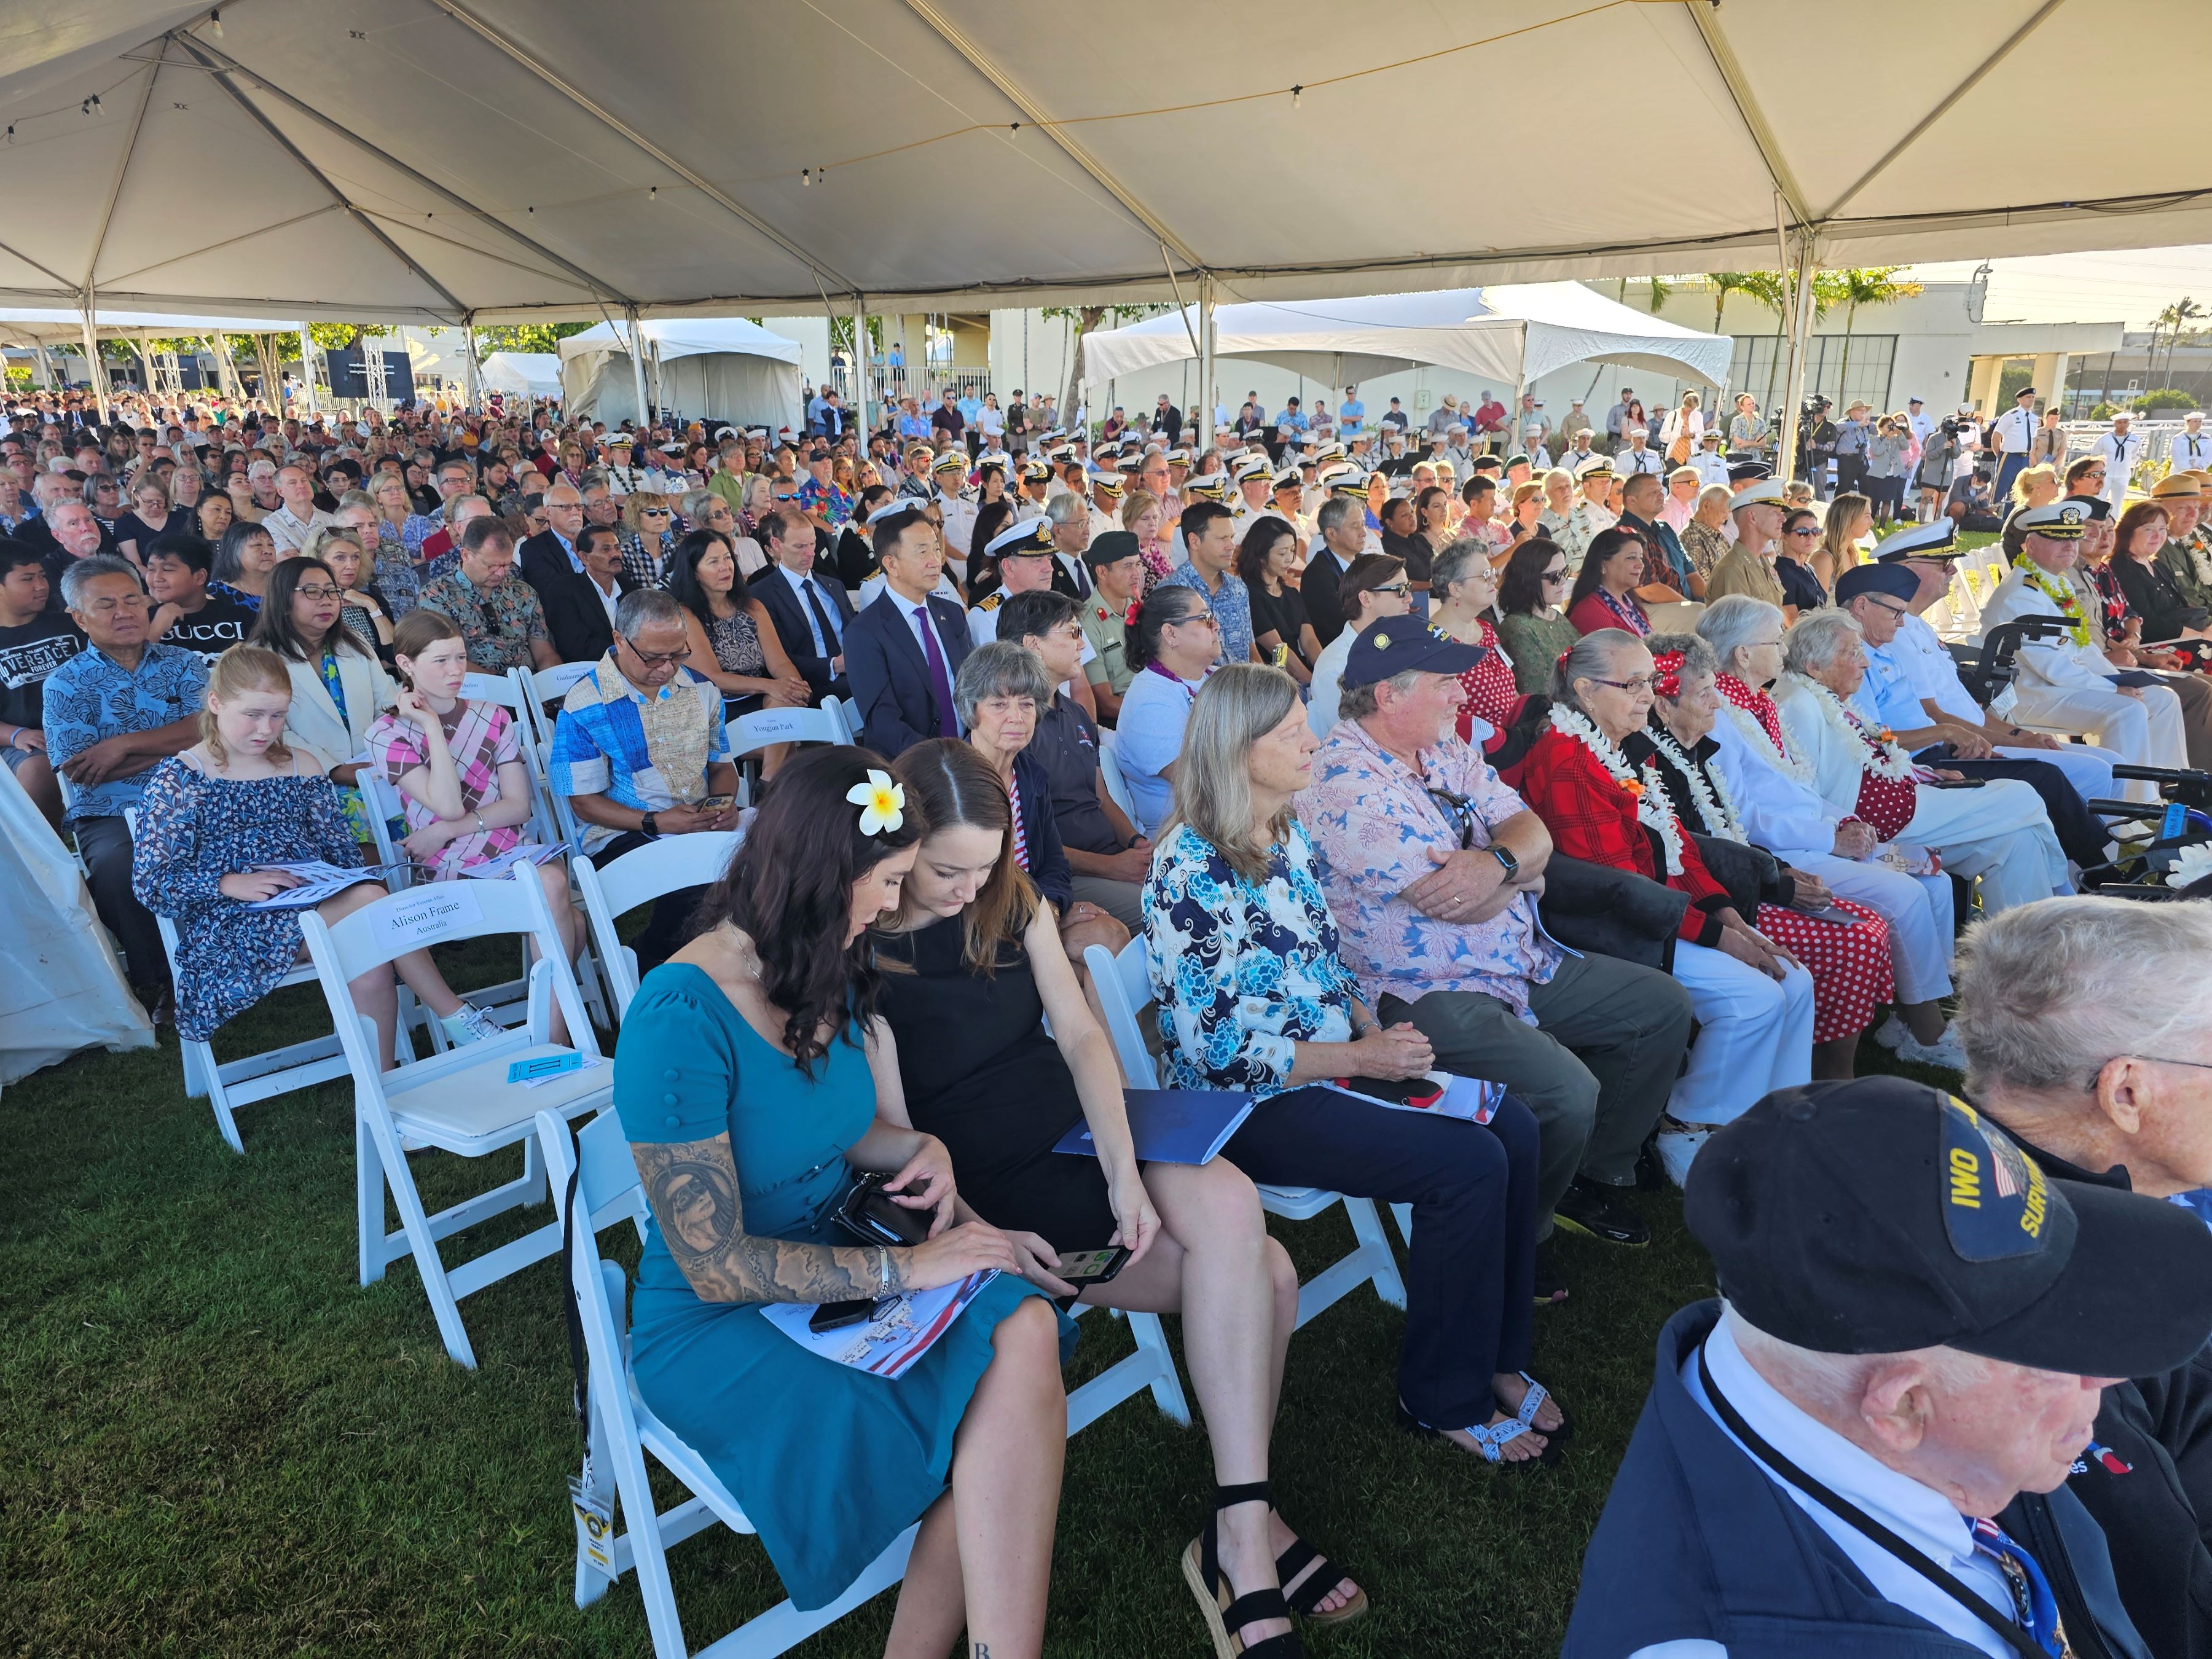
(902, 652)
(810, 610)
(579, 611)
(550, 555)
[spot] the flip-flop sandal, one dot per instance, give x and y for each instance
(1319, 1583)
(1532, 1401)
(1490, 1440)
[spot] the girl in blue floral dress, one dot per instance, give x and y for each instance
(237, 800)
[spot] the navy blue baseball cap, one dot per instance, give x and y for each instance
(1881, 1215)
(1399, 645)
(1894, 579)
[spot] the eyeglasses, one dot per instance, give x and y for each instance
(1884, 604)
(1555, 575)
(1461, 810)
(1203, 619)
(2164, 1059)
(653, 658)
(319, 591)
(1641, 683)
(1401, 589)
(1806, 530)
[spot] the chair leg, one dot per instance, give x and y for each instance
(1367, 1227)
(1403, 1215)
(226, 1122)
(368, 1200)
(421, 1243)
(533, 1187)
(1167, 1387)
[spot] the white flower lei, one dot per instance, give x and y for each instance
(1715, 805)
(1883, 760)
(1653, 809)
(2198, 546)
(1782, 760)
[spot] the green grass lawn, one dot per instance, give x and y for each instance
(218, 1443)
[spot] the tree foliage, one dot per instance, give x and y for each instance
(525, 336)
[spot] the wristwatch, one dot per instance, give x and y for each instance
(1504, 856)
(650, 824)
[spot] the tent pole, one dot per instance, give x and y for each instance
(1793, 383)
(308, 370)
(469, 370)
(92, 359)
(858, 417)
(45, 365)
(1205, 369)
(1513, 416)
(637, 367)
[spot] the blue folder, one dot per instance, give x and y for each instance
(1172, 1125)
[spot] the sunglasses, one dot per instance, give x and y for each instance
(652, 512)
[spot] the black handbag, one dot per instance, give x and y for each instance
(1611, 913)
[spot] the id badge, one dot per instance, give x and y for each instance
(595, 1524)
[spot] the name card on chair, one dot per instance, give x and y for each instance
(772, 725)
(427, 915)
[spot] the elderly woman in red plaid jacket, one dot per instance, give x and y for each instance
(1753, 1001)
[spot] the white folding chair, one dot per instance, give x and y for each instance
(508, 1001)
(549, 685)
(1125, 986)
(461, 1101)
(226, 1085)
(638, 876)
(749, 734)
(854, 723)
(1110, 767)
(836, 706)
(623, 1429)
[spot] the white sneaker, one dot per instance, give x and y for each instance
(1678, 1146)
(1946, 1051)
(470, 1024)
(1890, 1031)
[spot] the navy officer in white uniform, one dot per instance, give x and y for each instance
(1860, 1450)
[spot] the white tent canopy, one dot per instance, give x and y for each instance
(366, 150)
(702, 367)
(1511, 334)
(53, 326)
(523, 374)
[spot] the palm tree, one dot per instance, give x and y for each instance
(2176, 317)
(1724, 283)
(1866, 285)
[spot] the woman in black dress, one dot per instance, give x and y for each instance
(973, 967)
(1264, 558)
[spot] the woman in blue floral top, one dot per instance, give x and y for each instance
(1253, 996)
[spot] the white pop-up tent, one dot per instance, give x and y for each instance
(523, 374)
(1514, 334)
(720, 368)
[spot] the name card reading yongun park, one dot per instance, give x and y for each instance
(440, 911)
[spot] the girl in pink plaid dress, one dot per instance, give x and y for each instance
(458, 766)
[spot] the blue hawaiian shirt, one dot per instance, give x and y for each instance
(1231, 605)
(92, 697)
(1243, 972)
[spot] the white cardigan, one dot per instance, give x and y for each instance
(1786, 815)
(1834, 758)
(313, 722)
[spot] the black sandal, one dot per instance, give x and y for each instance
(1227, 1613)
(1324, 1579)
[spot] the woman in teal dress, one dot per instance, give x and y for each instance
(747, 1080)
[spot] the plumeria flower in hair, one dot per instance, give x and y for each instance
(882, 802)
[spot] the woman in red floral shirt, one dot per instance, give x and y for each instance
(1754, 1002)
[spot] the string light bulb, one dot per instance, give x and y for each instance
(214, 22)
(806, 176)
(1297, 93)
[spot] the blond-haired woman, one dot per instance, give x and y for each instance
(647, 536)
(1253, 996)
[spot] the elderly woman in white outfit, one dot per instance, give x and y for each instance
(1778, 798)
(2065, 681)
(1997, 834)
